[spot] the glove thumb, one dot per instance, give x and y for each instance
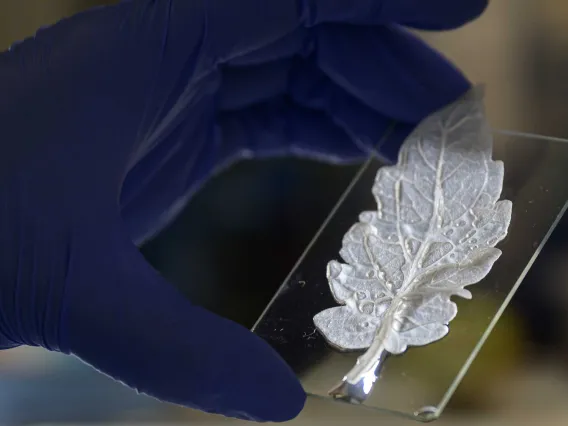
(123, 319)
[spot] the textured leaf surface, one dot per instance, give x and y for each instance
(433, 233)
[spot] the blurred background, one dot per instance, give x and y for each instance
(245, 230)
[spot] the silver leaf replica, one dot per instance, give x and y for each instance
(433, 233)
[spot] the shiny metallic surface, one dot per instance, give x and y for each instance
(433, 233)
(356, 391)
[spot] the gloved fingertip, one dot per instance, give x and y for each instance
(434, 14)
(251, 381)
(125, 320)
(277, 404)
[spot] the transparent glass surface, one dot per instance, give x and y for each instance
(420, 382)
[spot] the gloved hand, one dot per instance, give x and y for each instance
(111, 119)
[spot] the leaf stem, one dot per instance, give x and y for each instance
(358, 383)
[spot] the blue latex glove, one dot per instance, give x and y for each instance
(111, 119)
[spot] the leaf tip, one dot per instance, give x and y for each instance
(464, 293)
(333, 269)
(493, 255)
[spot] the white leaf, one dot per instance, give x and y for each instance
(357, 331)
(420, 320)
(452, 278)
(437, 222)
(358, 283)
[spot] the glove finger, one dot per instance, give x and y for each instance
(122, 318)
(162, 183)
(281, 127)
(433, 14)
(439, 14)
(245, 86)
(157, 188)
(286, 47)
(312, 89)
(392, 71)
(261, 23)
(332, 127)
